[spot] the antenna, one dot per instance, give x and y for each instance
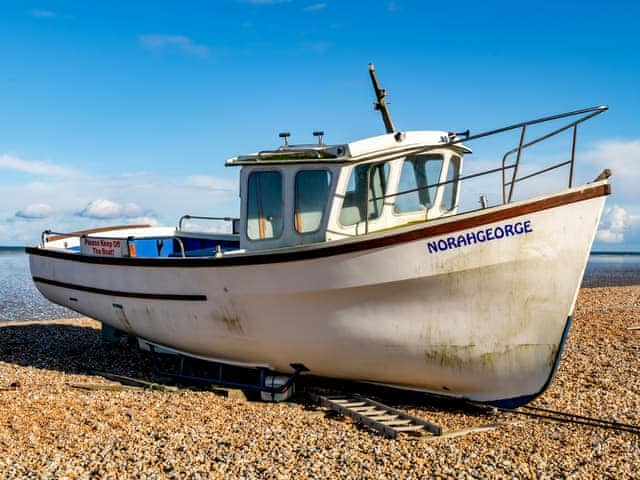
(381, 104)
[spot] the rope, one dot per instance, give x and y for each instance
(565, 417)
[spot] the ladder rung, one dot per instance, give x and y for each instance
(382, 418)
(339, 401)
(353, 404)
(363, 410)
(409, 428)
(393, 423)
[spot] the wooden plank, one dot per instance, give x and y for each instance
(104, 386)
(137, 382)
(467, 431)
(79, 233)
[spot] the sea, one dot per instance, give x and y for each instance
(19, 299)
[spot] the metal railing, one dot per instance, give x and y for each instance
(290, 152)
(507, 185)
(586, 113)
(234, 221)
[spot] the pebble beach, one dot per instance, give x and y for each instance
(52, 428)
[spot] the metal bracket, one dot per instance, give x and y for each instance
(219, 379)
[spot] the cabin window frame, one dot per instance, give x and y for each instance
(454, 162)
(282, 204)
(325, 208)
(436, 190)
(365, 220)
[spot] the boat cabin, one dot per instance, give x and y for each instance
(302, 194)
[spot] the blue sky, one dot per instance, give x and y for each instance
(118, 112)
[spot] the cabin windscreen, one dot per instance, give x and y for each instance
(311, 194)
(264, 205)
(367, 182)
(417, 173)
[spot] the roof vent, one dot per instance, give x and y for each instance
(285, 136)
(319, 134)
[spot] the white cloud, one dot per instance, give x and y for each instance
(145, 220)
(137, 197)
(211, 183)
(36, 168)
(314, 7)
(623, 158)
(37, 210)
(181, 43)
(41, 13)
(615, 222)
(608, 236)
(104, 209)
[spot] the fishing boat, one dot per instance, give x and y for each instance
(356, 261)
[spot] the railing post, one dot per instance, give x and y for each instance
(573, 154)
(44, 239)
(504, 179)
(182, 218)
(515, 168)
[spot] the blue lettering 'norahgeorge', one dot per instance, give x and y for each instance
(480, 236)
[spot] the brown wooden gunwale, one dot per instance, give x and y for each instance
(79, 233)
(330, 249)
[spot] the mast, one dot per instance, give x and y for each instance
(381, 103)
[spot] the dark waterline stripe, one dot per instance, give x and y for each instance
(115, 293)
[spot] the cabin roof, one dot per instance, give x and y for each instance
(359, 150)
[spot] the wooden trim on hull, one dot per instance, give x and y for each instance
(327, 249)
(114, 293)
(79, 233)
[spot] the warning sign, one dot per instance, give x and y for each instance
(103, 247)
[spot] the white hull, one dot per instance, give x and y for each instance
(484, 321)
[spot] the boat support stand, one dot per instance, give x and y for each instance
(219, 379)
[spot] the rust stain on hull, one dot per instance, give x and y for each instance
(230, 319)
(463, 357)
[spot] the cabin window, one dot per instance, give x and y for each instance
(264, 205)
(418, 173)
(451, 189)
(354, 206)
(312, 191)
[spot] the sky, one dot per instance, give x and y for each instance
(124, 112)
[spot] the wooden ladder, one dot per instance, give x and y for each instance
(384, 419)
